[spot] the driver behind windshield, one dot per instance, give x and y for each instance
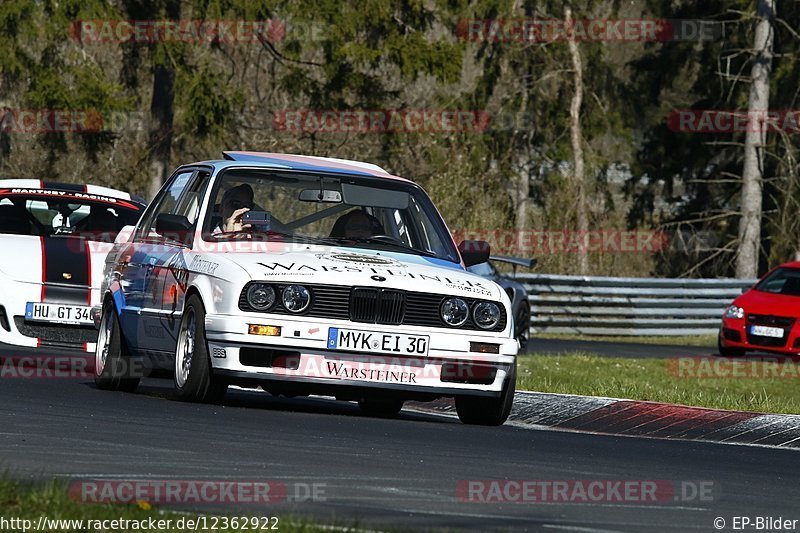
(236, 201)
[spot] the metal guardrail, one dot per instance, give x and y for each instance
(628, 306)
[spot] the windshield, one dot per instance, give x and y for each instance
(359, 212)
(43, 212)
(781, 281)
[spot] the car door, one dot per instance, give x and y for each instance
(141, 316)
(174, 273)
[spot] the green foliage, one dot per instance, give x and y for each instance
(207, 103)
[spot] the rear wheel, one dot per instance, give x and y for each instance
(194, 380)
(382, 407)
(727, 351)
(489, 411)
(113, 364)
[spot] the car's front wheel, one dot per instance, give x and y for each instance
(194, 380)
(727, 351)
(113, 365)
(489, 411)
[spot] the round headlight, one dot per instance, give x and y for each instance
(734, 312)
(454, 311)
(296, 298)
(486, 314)
(260, 296)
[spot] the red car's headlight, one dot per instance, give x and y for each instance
(734, 312)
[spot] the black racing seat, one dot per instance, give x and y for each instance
(338, 230)
(14, 220)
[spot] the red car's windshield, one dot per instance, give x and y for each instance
(781, 281)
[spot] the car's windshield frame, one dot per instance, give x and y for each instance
(416, 195)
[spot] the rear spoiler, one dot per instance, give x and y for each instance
(516, 261)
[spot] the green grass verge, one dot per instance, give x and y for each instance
(30, 501)
(740, 385)
(668, 340)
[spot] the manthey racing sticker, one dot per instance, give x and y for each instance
(378, 267)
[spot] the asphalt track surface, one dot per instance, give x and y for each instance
(400, 473)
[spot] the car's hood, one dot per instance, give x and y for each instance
(348, 266)
(767, 303)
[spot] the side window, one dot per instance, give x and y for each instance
(188, 205)
(164, 203)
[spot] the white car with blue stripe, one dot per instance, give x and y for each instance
(305, 275)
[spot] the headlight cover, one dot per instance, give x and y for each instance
(734, 312)
(296, 298)
(486, 314)
(454, 311)
(260, 296)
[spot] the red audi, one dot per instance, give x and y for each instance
(766, 317)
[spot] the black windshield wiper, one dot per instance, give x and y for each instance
(384, 241)
(275, 236)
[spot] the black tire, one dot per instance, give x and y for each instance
(483, 411)
(380, 407)
(114, 368)
(195, 380)
(522, 324)
(726, 351)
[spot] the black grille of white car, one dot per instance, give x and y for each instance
(379, 306)
(371, 305)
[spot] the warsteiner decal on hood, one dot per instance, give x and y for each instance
(361, 259)
(348, 268)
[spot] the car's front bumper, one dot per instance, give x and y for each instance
(299, 358)
(16, 331)
(734, 333)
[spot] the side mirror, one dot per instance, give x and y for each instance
(474, 252)
(173, 227)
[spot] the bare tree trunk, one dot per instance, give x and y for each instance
(755, 139)
(162, 113)
(521, 214)
(581, 216)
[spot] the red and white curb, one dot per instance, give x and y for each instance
(614, 416)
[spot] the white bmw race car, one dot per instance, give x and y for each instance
(305, 275)
(54, 239)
